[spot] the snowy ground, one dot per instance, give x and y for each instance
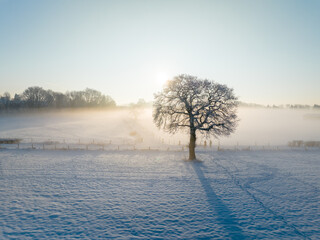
(157, 195)
(89, 182)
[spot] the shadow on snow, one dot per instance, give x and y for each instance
(224, 215)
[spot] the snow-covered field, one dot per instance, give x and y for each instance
(157, 195)
(111, 193)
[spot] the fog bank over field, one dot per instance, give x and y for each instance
(257, 126)
(276, 126)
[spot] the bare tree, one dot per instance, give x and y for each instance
(5, 100)
(16, 102)
(76, 99)
(36, 97)
(193, 104)
(60, 100)
(94, 98)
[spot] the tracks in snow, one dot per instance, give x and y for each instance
(245, 188)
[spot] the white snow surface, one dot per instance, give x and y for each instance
(48, 194)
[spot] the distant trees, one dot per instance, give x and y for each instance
(16, 102)
(300, 143)
(197, 105)
(89, 98)
(37, 97)
(5, 100)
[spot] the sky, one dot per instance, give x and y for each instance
(267, 51)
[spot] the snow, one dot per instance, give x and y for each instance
(103, 182)
(48, 194)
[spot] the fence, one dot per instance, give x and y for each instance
(127, 144)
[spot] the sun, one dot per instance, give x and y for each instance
(161, 78)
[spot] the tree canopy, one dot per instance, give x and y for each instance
(196, 105)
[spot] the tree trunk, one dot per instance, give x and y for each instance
(192, 144)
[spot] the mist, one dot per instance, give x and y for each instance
(257, 126)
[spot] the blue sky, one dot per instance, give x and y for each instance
(268, 51)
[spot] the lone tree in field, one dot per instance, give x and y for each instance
(195, 105)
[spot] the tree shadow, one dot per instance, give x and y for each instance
(1, 170)
(224, 215)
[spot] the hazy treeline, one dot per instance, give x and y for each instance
(290, 106)
(300, 143)
(37, 97)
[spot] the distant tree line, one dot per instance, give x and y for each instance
(288, 106)
(295, 106)
(300, 143)
(37, 97)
